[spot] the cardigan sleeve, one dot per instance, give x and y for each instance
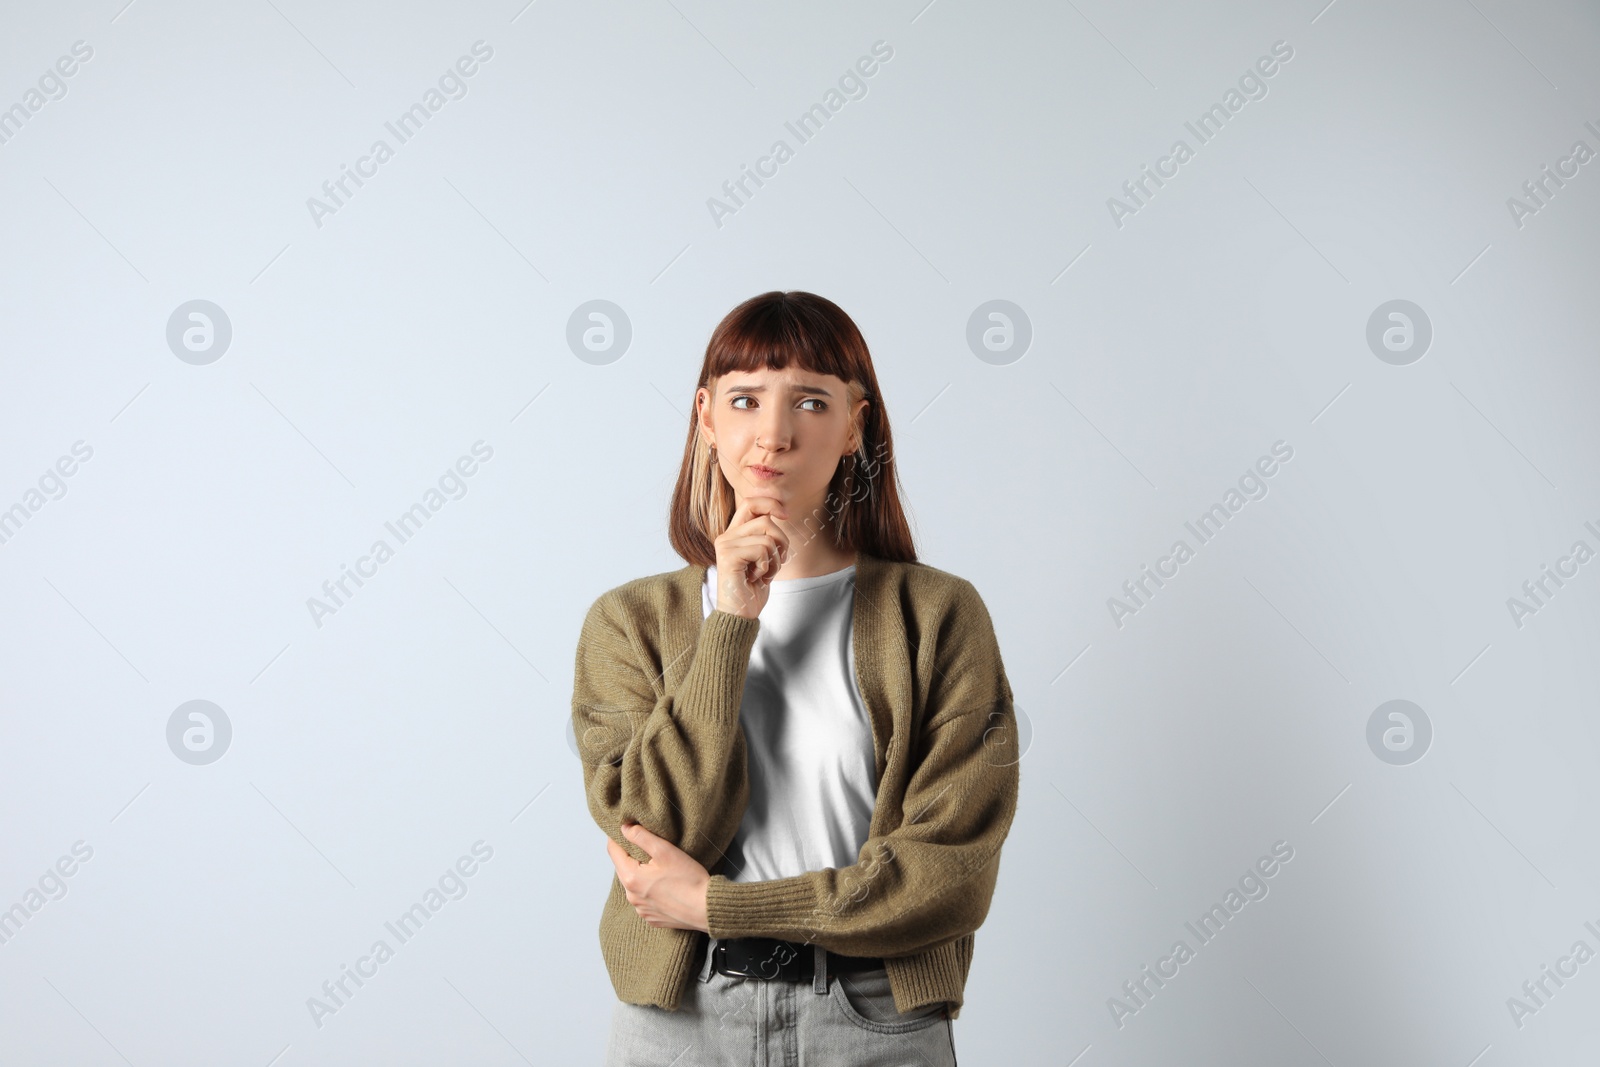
(928, 880)
(674, 763)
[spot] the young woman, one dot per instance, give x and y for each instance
(802, 745)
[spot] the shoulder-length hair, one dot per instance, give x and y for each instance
(775, 330)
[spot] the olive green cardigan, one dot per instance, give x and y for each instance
(656, 694)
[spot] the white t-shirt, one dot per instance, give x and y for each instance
(813, 778)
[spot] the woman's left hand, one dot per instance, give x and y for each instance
(670, 890)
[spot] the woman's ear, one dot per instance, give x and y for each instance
(702, 400)
(857, 426)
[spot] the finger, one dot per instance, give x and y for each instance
(660, 847)
(757, 511)
(770, 523)
(781, 536)
(777, 550)
(620, 857)
(771, 517)
(642, 839)
(764, 527)
(749, 561)
(767, 505)
(754, 547)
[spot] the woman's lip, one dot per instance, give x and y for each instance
(765, 472)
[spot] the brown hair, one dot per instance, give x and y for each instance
(775, 330)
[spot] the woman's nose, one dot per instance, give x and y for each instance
(774, 434)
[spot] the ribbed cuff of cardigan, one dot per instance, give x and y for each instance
(749, 909)
(714, 686)
(744, 909)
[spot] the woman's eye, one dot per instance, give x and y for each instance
(814, 400)
(735, 401)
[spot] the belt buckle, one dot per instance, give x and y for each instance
(747, 960)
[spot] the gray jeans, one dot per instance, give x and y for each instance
(836, 1020)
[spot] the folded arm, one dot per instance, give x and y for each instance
(675, 763)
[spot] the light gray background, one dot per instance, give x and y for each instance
(1168, 354)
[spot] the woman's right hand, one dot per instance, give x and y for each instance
(749, 553)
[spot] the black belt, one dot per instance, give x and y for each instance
(769, 958)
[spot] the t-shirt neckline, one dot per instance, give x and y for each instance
(799, 585)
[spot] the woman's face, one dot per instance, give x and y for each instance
(779, 434)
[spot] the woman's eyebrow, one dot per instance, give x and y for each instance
(751, 387)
